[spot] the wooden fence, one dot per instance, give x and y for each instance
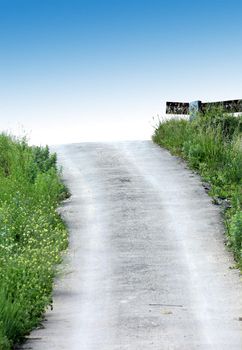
(231, 106)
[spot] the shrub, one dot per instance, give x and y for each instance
(32, 235)
(165, 131)
(212, 144)
(236, 234)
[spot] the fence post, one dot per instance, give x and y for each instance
(194, 108)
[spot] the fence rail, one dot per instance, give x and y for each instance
(230, 106)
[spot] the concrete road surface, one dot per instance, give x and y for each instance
(147, 267)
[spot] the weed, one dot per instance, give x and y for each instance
(32, 235)
(212, 144)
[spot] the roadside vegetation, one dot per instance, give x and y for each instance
(32, 236)
(212, 146)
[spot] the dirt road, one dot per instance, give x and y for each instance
(147, 267)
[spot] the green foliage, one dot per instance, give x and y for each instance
(32, 235)
(216, 119)
(236, 234)
(212, 144)
(165, 131)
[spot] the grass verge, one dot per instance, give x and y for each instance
(212, 145)
(32, 235)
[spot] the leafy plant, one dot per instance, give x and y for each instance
(212, 144)
(32, 235)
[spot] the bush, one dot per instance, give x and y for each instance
(165, 131)
(236, 234)
(212, 144)
(32, 235)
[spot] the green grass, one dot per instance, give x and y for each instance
(32, 235)
(212, 145)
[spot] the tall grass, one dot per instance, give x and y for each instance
(32, 235)
(212, 145)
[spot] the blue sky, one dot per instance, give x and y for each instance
(91, 70)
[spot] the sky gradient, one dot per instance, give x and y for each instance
(88, 70)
